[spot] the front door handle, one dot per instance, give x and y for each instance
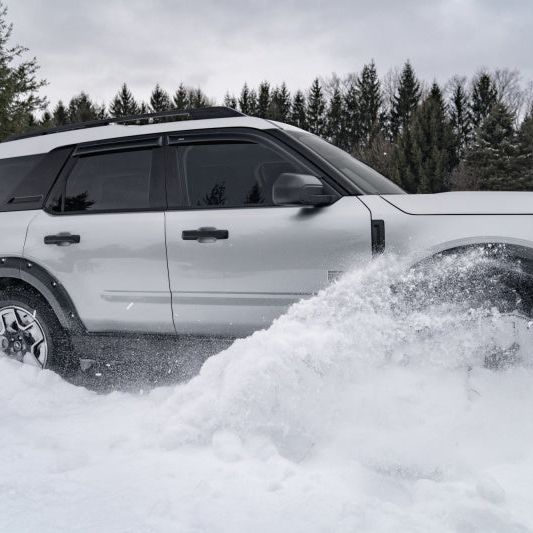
(62, 239)
(204, 234)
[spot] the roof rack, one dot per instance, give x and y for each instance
(184, 114)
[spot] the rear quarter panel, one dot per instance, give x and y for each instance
(13, 228)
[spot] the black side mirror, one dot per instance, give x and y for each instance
(299, 190)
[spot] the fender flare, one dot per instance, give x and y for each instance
(57, 297)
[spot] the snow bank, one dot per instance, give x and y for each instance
(362, 409)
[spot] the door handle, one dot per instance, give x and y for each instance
(62, 239)
(209, 234)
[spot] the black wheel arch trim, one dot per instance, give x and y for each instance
(18, 268)
(521, 280)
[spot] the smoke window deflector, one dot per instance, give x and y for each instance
(121, 145)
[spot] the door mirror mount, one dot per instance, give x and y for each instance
(300, 190)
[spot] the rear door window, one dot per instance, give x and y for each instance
(119, 181)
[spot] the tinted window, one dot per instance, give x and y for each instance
(364, 177)
(110, 182)
(13, 171)
(232, 174)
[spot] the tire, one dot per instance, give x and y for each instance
(485, 279)
(22, 308)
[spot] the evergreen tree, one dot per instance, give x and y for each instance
(484, 96)
(316, 109)
(404, 166)
(280, 103)
(247, 101)
(432, 144)
(350, 137)
(525, 149)
(47, 120)
(298, 115)
(197, 98)
(334, 116)
(460, 119)
(493, 161)
(405, 101)
(19, 84)
(263, 100)
(369, 101)
(60, 114)
(123, 104)
(230, 101)
(180, 100)
(159, 100)
(82, 109)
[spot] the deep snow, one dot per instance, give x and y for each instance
(356, 411)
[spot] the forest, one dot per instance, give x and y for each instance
(469, 133)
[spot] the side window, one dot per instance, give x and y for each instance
(13, 171)
(232, 174)
(118, 181)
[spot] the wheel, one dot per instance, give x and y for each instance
(30, 331)
(485, 280)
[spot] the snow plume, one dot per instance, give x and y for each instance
(378, 405)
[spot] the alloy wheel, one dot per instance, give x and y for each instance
(22, 336)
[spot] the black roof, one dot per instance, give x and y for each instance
(182, 114)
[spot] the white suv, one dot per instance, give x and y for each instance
(209, 225)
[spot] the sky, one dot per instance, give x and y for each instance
(218, 45)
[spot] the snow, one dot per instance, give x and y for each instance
(359, 410)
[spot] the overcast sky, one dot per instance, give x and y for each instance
(98, 44)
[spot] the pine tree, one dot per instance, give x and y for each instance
(159, 100)
(460, 120)
(247, 101)
(280, 103)
(82, 109)
(19, 84)
(405, 101)
(334, 116)
(298, 115)
(432, 144)
(180, 100)
(316, 108)
(484, 96)
(369, 102)
(47, 120)
(493, 161)
(263, 100)
(350, 136)
(404, 167)
(230, 101)
(197, 98)
(60, 114)
(525, 149)
(123, 104)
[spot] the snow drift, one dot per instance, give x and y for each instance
(366, 408)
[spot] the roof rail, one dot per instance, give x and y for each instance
(184, 114)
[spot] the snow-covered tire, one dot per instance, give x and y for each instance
(24, 317)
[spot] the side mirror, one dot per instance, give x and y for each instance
(300, 190)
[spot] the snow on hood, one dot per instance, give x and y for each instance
(353, 412)
(464, 203)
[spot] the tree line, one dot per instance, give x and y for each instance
(468, 134)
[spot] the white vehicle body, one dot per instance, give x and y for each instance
(159, 268)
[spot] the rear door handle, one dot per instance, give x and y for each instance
(204, 234)
(62, 239)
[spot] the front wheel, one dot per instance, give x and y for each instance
(30, 331)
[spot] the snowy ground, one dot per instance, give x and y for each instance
(351, 413)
